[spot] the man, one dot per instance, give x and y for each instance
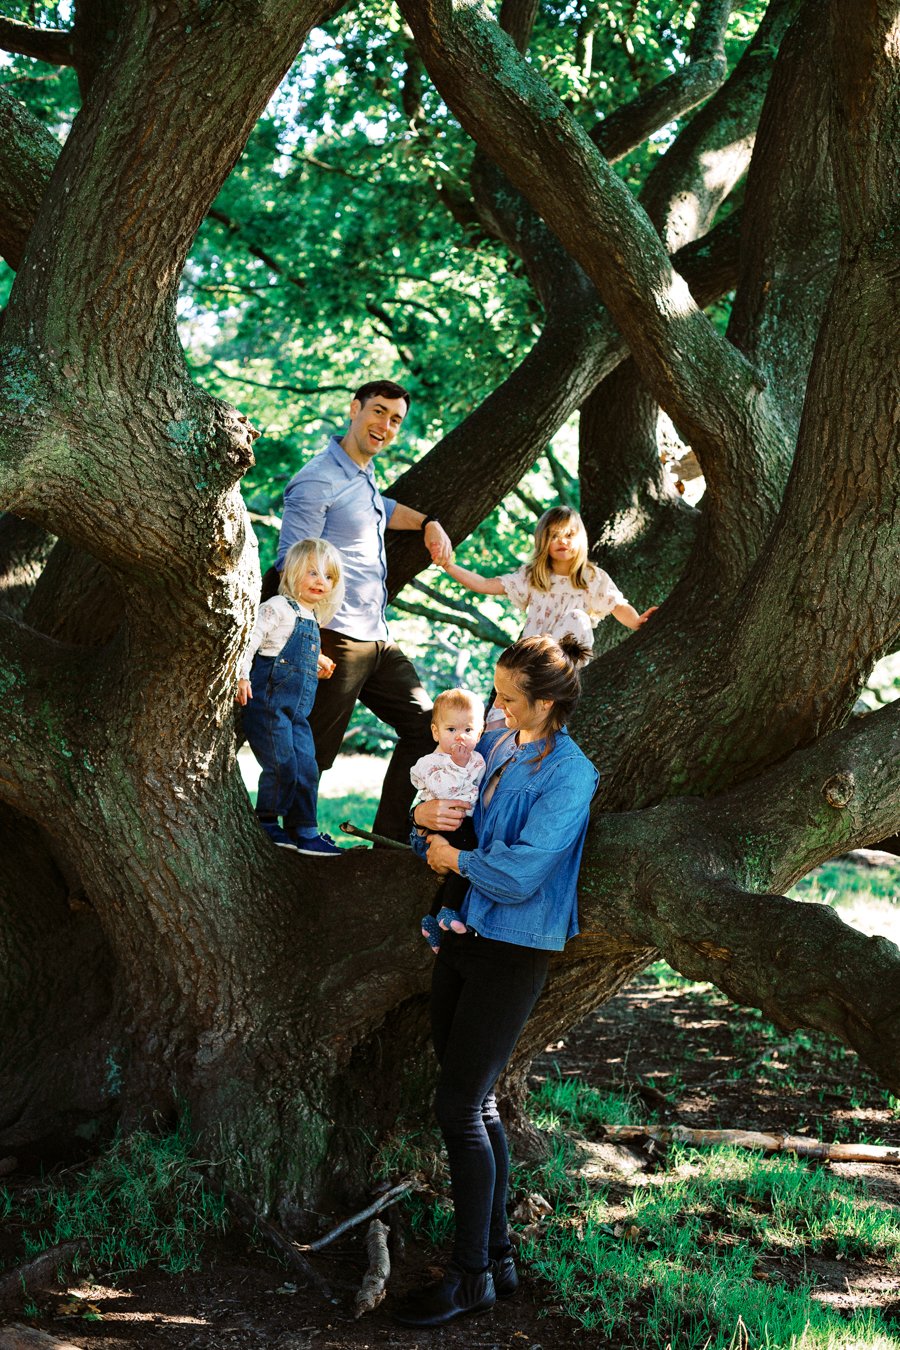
(334, 497)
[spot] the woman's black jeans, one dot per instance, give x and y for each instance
(482, 993)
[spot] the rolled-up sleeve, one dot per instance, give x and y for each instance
(389, 505)
(511, 873)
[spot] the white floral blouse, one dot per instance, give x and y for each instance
(438, 778)
(549, 611)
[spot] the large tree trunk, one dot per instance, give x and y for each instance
(209, 971)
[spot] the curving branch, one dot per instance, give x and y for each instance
(706, 907)
(578, 346)
(791, 228)
(27, 155)
(712, 394)
(54, 45)
(834, 548)
(144, 129)
(629, 126)
(629, 499)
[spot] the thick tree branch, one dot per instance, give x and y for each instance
(703, 383)
(630, 125)
(91, 293)
(705, 908)
(689, 183)
(27, 155)
(791, 228)
(834, 549)
(54, 45)
(578, 346)
(635, 514)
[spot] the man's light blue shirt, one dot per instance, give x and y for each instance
(333, 498)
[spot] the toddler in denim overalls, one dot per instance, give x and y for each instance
(277, 687)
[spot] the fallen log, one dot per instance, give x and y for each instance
(372, 1289)
(766, 1143)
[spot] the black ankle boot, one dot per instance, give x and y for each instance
(506, 1277)
(459, 1292)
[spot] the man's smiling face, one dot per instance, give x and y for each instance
(373, 425)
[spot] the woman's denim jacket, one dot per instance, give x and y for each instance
(524, 873)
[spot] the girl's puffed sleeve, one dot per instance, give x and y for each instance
(517, 587)
(603, 594)
(266, 620)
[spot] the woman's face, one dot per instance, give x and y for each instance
(520, 713)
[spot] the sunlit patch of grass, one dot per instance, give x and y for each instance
(357, 807)
(688, 1260)
(560, 1102)
(867, 898)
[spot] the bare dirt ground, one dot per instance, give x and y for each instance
(691, 1057)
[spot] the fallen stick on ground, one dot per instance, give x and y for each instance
(34, 1274)
(388, 1198)
(372, 1289)
(382, 839)
(768, 1143)
(247, 1219)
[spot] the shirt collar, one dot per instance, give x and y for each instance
(349, 466)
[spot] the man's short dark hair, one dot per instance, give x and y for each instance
(382, 389)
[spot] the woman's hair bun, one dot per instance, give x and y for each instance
(577, 651)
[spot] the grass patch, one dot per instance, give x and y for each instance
(140, 1203)
(561, 1102)
(718, 1244)
(358, 807)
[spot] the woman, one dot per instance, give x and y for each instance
(531, 820)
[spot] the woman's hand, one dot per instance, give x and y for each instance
(324, 667)
(243, 692)
(440, 815)
(442, 857)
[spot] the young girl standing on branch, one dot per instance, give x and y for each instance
(559, 590)
(277, 687)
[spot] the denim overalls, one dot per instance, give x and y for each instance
(275, 723)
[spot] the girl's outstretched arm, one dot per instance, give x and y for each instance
(474, 581)
(628, 615)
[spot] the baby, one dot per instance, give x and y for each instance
(453, 772)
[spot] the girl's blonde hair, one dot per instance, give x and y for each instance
(540, 569)
(328, 561)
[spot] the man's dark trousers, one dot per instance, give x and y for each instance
(385, 681)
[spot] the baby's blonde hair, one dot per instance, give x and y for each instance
(328, 560)
(540, 569)
(460, 699)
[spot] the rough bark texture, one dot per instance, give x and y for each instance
(188, 961)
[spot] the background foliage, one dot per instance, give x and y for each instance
(344, 246)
